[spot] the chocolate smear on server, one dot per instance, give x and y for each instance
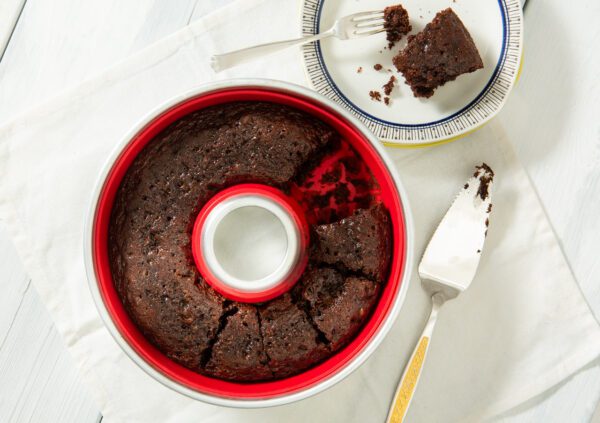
(487, 176)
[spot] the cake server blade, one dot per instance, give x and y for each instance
(446, 269)
(452, 256)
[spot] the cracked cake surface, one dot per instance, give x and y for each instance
(150, 253)
(359, 243)
(238, 352)
(291, 341)
(338, 304)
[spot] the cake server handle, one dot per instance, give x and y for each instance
(220, 62)
(412, 371)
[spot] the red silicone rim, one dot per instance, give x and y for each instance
(211, 386)
(284, 201)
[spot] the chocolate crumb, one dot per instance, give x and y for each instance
(479, 251)
(359, 70)
(487, 223)
(489, 210)
(466, 185)
(387, 88)
(386, 100)
(377, 67)
(396, 24)
(375, 95)
(487, 176)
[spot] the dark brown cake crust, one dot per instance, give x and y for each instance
(291, 342)
(395, 23)
(239, 352)
(359, 243)
(438, 54)
(338, 305)
(161, 194)
(150, 253)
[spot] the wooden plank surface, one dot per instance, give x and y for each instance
(38, 379)
(58, 44)
(10, 10)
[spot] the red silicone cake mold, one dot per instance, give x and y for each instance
(300, 201)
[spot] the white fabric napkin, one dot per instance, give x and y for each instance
(522, 326)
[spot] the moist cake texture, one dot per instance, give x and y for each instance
(291, 341)
(438, 54)
(153, 268)
(359, 243)
(337, 304)
(395, 23)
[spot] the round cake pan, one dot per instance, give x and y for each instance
(216, 391)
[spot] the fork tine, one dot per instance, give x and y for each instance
(371, 32)
(369, 24)
(366, 15)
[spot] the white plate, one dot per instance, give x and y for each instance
(455, 109)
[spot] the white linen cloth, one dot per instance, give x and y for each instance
(522, 327)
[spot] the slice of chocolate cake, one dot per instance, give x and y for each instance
(290, 341)
(238, 353)
(396, 24)
(178, 315)
(359, 243)
(339, 306)
(438, 54)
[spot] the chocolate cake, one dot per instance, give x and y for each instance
(338, 305)
(395, 23)
(359, 243)
(438, 54)
(239, 351)
(150, 253)
(290, 340)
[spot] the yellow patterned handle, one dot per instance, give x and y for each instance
(409, 383)
(412, 372)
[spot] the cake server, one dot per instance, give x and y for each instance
(352, 26)
(447, 269)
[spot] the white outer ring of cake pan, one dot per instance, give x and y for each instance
(383, 329)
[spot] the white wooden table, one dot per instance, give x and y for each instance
(47, 46)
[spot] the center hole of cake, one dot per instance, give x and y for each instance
(250, 243)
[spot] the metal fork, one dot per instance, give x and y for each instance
(352, 26)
